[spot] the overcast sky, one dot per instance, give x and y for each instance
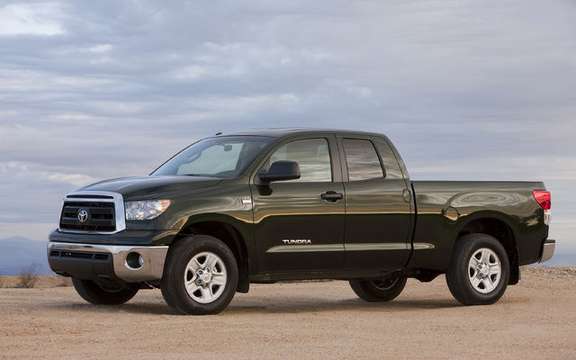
(466, 89)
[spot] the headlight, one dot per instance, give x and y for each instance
(145, 210)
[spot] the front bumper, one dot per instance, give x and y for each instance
(548, 249)
(112, 262)
(139, 238)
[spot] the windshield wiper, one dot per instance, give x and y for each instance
(199, 175)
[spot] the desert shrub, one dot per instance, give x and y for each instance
(1, 281)
(28, 277)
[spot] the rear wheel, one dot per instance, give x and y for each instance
(200, 276)
(479, 271)
(104, 294)
(375, 290)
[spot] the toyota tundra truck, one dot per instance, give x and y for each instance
(295, 204)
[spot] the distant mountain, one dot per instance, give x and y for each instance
(18, 253)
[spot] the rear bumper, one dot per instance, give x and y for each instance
(548, 249)
(91, 261)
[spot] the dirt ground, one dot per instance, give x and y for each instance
(534, 320)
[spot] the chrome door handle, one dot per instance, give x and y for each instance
(332, 196)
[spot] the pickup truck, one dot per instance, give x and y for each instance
(295, 204)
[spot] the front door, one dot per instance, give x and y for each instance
(299, 224)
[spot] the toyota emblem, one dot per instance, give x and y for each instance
(82, 215)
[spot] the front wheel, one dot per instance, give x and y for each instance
(379, 290)
(200, 276)
(479, 271)
(100, 294)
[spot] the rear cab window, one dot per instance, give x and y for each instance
(362, 160)
(392, 164)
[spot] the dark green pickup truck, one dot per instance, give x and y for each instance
(295, 204)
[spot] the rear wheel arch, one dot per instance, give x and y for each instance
(228, 234)
(500, 229)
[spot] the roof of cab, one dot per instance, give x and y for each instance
(281, 132)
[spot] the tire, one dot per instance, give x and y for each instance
(476, 282)
(97, 294)
(379, 290)
(200, 276)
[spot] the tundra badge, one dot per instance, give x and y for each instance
(297, 242)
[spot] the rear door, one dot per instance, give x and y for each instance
(298, 227)
(378, 207)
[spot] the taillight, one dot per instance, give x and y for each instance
(543, 198)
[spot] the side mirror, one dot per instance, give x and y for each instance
(281, 171)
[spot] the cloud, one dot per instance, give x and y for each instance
(504, 167)
(74, 179)
(39, 19)
(466, 89)
(238, 60)
(17, 81)
(17, 169)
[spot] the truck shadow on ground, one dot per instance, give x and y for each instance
(297, 306)
(290, 305)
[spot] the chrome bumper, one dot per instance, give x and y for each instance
(150, 267)
(548, 250)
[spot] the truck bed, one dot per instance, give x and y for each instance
(445, 208)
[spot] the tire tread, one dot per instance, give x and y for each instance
(94, 294)
(367, 292)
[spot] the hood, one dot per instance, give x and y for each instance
(152, 187)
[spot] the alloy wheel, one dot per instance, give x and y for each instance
(205, 277)
(484, 270)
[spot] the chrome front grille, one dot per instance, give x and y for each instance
(100, 216)
(93, 212)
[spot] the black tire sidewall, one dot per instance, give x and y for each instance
(457, 276)
(173, 284)
(95, 294)
(368, 291)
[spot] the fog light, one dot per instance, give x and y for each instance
(134, 261)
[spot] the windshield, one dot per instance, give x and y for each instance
(221, 157)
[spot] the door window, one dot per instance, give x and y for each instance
(312, 156)
(362, 160)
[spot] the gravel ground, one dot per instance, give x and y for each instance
(324, 320)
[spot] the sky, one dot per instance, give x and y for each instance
(467, 90)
